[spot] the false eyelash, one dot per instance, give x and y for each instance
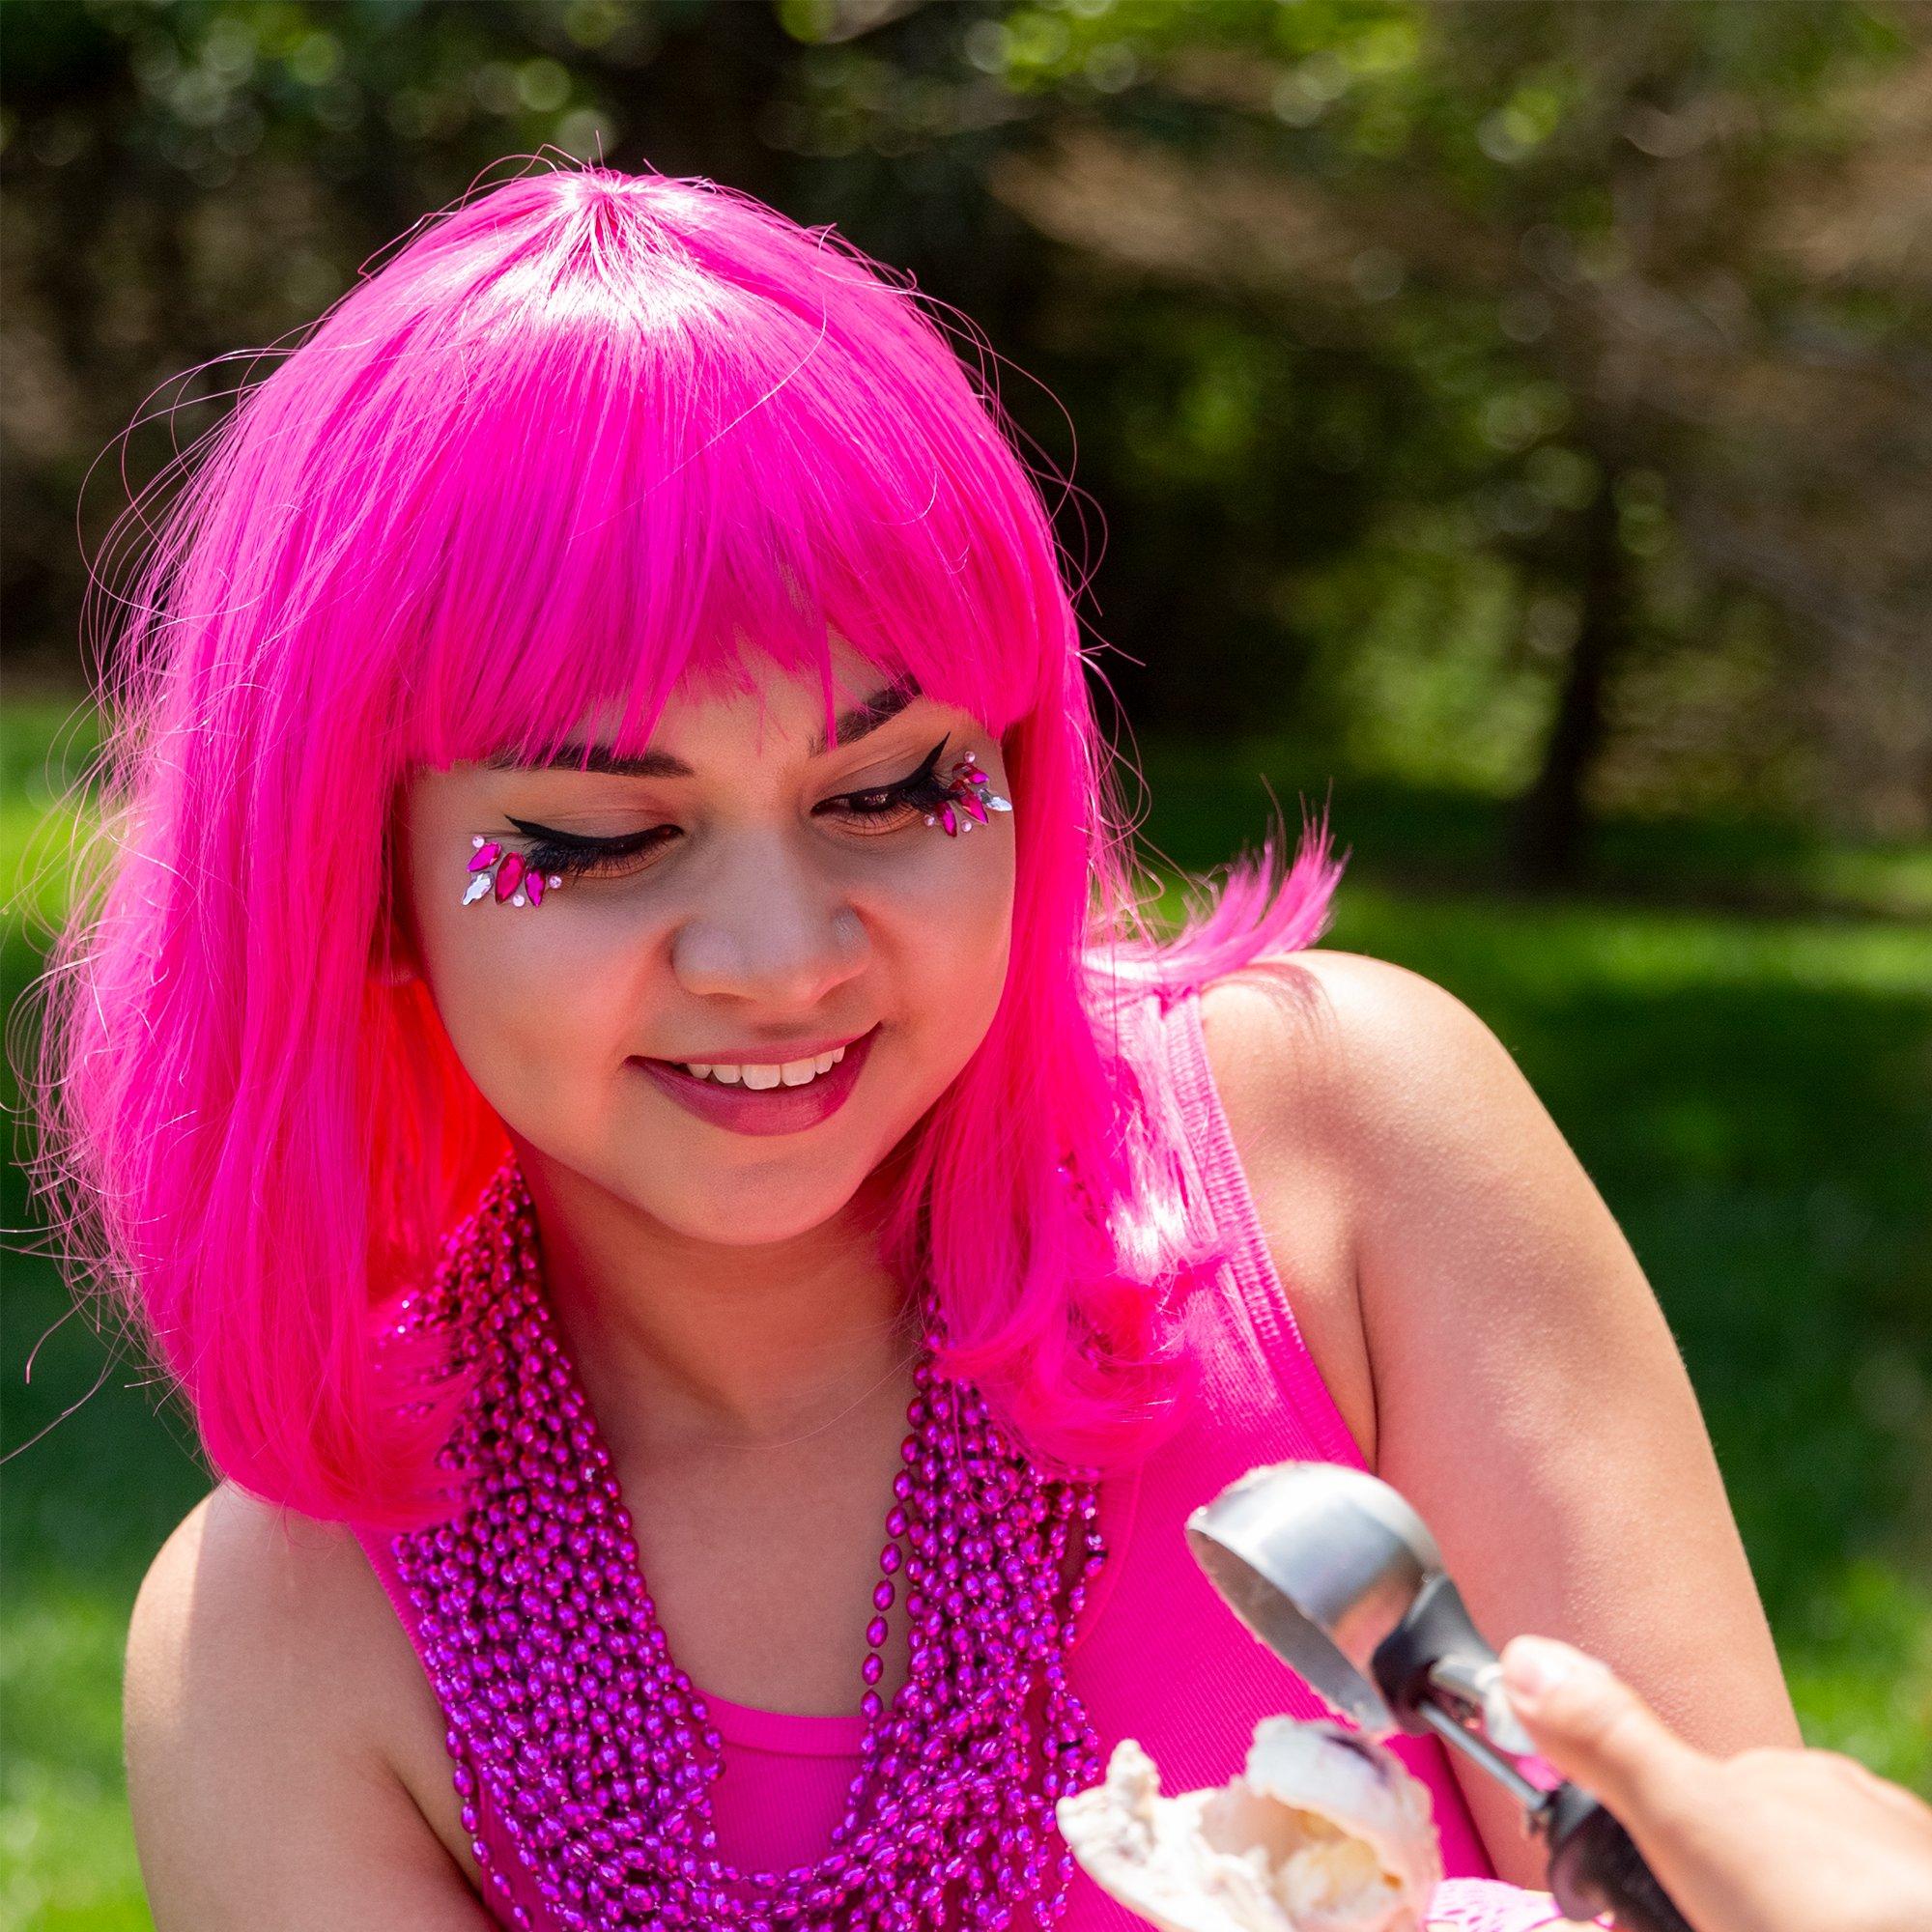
(586, 857)
(919, 791)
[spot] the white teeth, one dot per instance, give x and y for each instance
(791, 1072)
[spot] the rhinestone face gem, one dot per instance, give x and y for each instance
(597, 1752)
(507, 876)
(965, 805)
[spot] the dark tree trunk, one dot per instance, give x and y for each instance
(703, 101)
(1550, 825)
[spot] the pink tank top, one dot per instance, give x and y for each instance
(1158, 1656)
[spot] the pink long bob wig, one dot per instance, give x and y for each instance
(585, 436)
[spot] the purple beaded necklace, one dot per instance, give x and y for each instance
(596, 1749)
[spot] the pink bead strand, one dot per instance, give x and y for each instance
(597, 1752)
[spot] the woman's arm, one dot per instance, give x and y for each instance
(258, 1797)
(1528, 1398)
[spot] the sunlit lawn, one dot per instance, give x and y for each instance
(1749, 1093)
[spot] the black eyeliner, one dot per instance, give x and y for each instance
(578, 842)
(922, 789)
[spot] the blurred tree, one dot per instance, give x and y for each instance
(1647, 286)
(184, 181)
(1526, 397)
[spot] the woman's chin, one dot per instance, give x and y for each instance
(767, 1204)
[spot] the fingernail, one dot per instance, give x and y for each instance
(1533, 1667)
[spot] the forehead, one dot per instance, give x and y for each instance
(756, 685)
(752, 701)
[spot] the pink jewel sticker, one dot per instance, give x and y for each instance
(506, 876)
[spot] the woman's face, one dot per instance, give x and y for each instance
(751, 914)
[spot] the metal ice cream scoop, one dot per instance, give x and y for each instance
(1338, 1576)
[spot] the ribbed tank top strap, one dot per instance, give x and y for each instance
(1264, 1303)
(1261, 1399)
(522, 1910)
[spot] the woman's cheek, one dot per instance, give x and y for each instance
(954, 917)
(943, 931)
(537, 1004)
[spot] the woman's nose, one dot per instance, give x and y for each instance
(771, 930)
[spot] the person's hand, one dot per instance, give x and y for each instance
(1766, 1841)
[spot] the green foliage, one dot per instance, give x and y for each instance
(1350, 309)
(1560, 246)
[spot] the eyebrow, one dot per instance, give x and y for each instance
(859, 720)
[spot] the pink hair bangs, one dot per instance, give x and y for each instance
(585, 437)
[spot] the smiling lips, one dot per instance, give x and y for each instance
(782, 1098)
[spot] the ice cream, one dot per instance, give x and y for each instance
(1323, 1831)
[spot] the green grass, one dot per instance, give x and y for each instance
(1748, 1090)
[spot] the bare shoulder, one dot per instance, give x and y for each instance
(1371, 1068)
(235, 1565)
(261, 1780)
(1415, 1113)
(1361, 1038)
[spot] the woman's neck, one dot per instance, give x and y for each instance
(688, 1346)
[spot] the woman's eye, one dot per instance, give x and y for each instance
(886, 807)
(876, 810)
